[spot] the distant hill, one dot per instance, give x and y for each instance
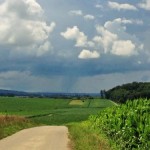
(129, 91)
(11, 93)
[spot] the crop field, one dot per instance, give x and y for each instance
(52, 111)
(128, 125)
(79, 103)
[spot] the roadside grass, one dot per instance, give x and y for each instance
(83, 138)
(12, 124)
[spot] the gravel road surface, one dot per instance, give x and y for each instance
(38, 138)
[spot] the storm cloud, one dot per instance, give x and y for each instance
(73, 46)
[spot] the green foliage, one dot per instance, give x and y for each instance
(91, 140)
(128, 125)
(103, 103)
(30, 106)
(52, 111)
(130, 91)
(64, 116)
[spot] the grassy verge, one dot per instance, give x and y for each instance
(12, 124)
(84, 138)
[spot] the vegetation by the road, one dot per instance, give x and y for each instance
(12, 124)
(83, 137)
(34, 111)
(128, 125)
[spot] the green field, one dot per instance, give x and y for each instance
(52, 111)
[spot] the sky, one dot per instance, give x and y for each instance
(73, 46)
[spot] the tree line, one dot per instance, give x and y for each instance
(129, 91)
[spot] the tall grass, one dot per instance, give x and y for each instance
(12, 124)
(128, 125)
(84, 138)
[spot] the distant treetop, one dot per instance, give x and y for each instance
(129, 91)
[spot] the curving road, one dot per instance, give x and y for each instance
(38, 138)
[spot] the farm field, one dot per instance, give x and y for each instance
(128, 125)
(52, 111)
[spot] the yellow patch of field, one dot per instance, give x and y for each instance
(76, 102)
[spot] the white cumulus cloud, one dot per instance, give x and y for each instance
(118, 6)
(75, 34)
(76, 12)
(22, 26)
(106, 39)
(145, 4)
(113, 38)
(123, 48)
(80, 13)
(89, 17)
(87, 54)
(98, 6)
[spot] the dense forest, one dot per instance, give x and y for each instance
(129, 91)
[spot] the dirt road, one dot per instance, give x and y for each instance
(38, 138)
